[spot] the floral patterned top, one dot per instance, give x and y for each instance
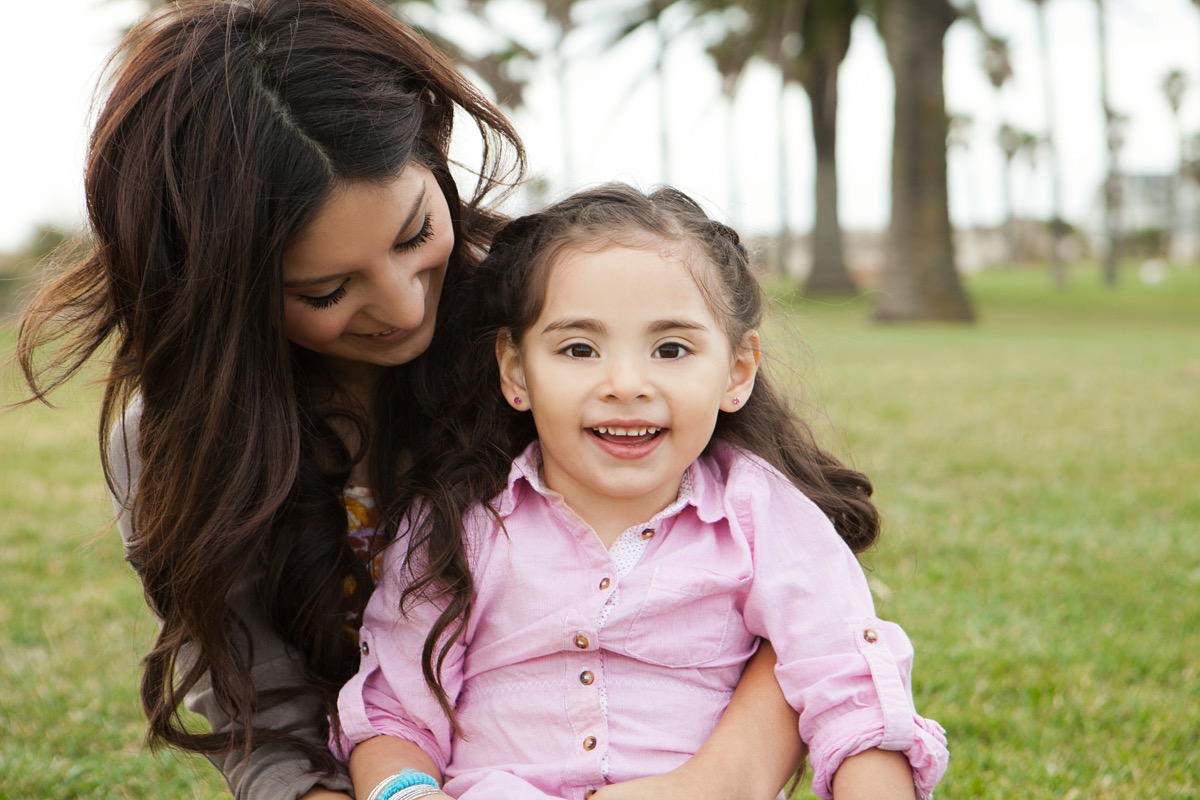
(362, 520)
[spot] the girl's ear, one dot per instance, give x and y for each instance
(742, 373)
(512, 374)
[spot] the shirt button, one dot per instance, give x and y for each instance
(586, 677)
(648, 533)
(605, 583)
(589, 743)
(365, 648)
(581, 641)
(870, 636)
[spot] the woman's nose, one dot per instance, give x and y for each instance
(399, 298)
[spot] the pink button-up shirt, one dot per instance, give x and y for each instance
(583, 665)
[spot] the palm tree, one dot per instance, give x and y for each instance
(826, 33)
(958, 137)
(997, 65)
(1174, 86)
(560, 13)
(1114, 138)
(1057, 226)
(730, 57)
(654, 12)
(1010, 145)
(920, 281)
(806, 41)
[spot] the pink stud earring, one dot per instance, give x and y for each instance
(735, 401)
(516, 401)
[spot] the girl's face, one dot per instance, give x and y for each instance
(362, 282)
(624, 371)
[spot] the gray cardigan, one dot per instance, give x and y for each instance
(271, 772)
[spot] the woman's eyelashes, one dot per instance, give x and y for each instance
(334, 297)
(422, 236)
(325, 300)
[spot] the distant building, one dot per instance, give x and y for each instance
(1145, 218)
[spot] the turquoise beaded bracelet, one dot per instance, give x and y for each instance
(392, 785)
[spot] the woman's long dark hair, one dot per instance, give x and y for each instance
(226, 125)
(507, 294)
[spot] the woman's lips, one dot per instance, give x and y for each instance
(391, 336)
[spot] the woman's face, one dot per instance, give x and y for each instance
(362, 282)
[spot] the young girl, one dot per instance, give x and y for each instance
(669, 512)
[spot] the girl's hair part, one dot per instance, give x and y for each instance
(226, 125)
(506, 297)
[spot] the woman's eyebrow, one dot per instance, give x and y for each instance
(413, 213)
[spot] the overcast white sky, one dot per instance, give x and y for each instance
(51, 52)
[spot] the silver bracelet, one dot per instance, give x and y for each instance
(413, 792)
(407, 793)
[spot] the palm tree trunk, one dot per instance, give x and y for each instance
(1010, 218)
(829, 274)
(1058, 274)
(783, 250)
(664, 117)
(1111, 227)
(920, 281)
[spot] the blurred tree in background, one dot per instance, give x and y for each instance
(805, 43)
(17, 269)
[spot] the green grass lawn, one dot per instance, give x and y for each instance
(1040, 478)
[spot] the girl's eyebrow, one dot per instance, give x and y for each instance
(589, 325)
(662, 326)
(597, 326)
(413, 213)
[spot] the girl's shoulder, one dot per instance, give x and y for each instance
(749, 486)
(738, 470)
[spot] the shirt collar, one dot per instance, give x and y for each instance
(703, 485)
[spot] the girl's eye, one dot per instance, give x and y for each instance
(671, 350)
(423, 235)
(578, 351)
(325, 300)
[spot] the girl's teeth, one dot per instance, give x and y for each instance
(627, 431)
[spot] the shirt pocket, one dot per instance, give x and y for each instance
(684, 618)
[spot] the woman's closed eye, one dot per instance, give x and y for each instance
(325, 300)
(422, 236)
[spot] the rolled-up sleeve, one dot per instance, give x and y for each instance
(847, 672)
(388, 696)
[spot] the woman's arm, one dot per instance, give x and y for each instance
(267, 773)
(751, 754)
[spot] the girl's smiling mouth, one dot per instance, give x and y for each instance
(627, 436)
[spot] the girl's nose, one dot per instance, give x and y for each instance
(626, 380)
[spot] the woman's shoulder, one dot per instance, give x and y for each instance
(124, 463)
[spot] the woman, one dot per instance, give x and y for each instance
(275, 228)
